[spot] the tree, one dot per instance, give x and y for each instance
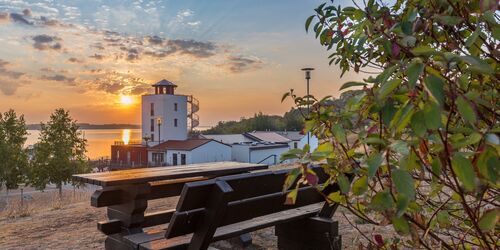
(13, 156)
(420, 136)
(60, 152)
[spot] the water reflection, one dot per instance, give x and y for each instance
(126, 136)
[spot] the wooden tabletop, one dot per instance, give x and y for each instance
(144, 175)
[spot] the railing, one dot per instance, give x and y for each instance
(193, 117)
(131, 142)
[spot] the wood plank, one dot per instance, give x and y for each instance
(236, 229)
(187, 221)
(247, 185)
(134, 176)
(150, 219)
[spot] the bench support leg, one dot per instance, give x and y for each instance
(309, 234)
(130, 214)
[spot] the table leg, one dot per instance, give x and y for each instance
(130, 213)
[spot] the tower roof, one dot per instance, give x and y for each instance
(164, 82)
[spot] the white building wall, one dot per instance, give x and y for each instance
(273, 154)
(240, 153)
(170, 156)
(211, 152)
(164, 108)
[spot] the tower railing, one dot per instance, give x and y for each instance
(194, 107)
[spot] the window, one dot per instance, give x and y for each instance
(175, 122)
(158, 158)
(152, 125)
(174, 159)
(152, 137)
(295, 145)
(152, 109)
(183, 159)
(128, 156)
(117, 155)
(175, 106)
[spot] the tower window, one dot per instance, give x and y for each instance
(152, 137)
(152, 109)
(175, 122)
(152, 125)
(175, 106)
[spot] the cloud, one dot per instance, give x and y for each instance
(9, 88)
(75, 60)
(192, 47)
(239, 64)
(4, 17)
(27, 12)
(155, 40)
(46, 42)
(18, 18)
(97, 56)
(59, 78)
(8, 73)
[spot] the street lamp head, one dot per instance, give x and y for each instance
(308, 72)
(158, 121)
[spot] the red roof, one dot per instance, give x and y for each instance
(187, 145)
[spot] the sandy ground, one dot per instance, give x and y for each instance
(46, 223)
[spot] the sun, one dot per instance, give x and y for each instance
(126, 100)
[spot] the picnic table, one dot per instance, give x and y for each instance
(125, 193)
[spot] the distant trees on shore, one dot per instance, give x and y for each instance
(291, 121)
(59, 153)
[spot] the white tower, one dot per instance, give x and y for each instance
(164, 114)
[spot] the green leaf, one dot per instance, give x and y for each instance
(285, 96)
(308, 22)
(351, 84)
(336, 197)
(360, 186)
(449, 20)
(406, 27)
(418, 123)
(374, 162)
(401, 225)
(290, 178)
(435, 87)
(415, 69)
(432, 115)
(402, 117)
(404, 183)
(291, 197)
(344, 183)
(402, 203)
(387, 88)
(464, 171)
(424, 50)
(489, 219)
(472, 38)
(443, 219)
(381, 201)
(466, 110)
(339, 133)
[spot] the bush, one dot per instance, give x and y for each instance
(419, 136)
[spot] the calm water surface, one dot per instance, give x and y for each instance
(99, 141)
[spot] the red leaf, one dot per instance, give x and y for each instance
(373, 129)
(379, 240)
(395, 50)
(311, 178)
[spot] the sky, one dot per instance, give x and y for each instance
(237, 57)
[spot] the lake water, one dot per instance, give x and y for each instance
(99, 141)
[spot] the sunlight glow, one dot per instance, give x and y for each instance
(126, 100)
(126, 136)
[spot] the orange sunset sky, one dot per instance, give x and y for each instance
(236, 57)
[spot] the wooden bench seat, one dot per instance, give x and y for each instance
(230, 206)
(155, 239)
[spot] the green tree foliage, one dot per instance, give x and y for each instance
(420, 135)
(59, 153)
(291, 121)
(13, 157)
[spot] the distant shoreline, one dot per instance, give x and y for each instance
(86, 126)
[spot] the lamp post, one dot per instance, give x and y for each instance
(308, 77)
(158, 122)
